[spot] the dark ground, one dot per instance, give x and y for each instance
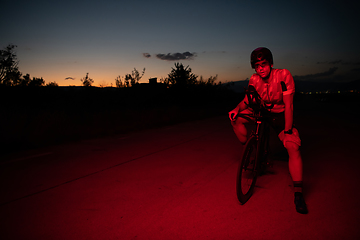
(178, 182)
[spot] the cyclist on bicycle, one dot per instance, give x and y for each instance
(276, 87)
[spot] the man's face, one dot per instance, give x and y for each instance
(263, 68)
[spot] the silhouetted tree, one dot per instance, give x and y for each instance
(130, 80)
(119, 82)
(209, 82)
(52, 84)
(36, 82)
(9, 72)
(134, 77)
(26, 81)
(127, 82)
(165, 81)
(181, 76)
(87, 82)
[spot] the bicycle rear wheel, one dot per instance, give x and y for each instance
(247, 172)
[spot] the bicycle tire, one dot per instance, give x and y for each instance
(247, 171)
(263, 150)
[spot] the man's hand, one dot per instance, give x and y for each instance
(232, 114)
(240, 107)
(294, 137)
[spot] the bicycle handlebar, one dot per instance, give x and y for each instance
(255, 101)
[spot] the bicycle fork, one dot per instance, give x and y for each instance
(262, 138)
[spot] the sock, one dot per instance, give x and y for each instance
(298, 185)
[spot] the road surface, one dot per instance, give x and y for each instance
(178, 182)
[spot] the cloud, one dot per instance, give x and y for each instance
(147, 55)
(176, 56)
(69, 78)
(327, 73)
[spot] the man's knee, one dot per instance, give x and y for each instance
(291, 146)
(238, 125)
(291, 142)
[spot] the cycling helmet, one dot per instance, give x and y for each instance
(260, 54)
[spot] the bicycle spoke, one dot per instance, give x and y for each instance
(247, 172)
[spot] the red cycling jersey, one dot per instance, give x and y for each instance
(271, 90)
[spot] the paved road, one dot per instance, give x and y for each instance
(178, 182)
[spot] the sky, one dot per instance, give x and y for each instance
(61, 41)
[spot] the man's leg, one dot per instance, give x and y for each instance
(295, 161)
(296, 171)
(240, 129)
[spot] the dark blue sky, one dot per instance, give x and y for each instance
(61, 39)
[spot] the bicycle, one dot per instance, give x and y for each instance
(254, 159)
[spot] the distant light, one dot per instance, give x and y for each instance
(338, 91)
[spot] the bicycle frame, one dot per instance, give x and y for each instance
(261, 133)
(252, 162)
(263, 140)
(262, 126)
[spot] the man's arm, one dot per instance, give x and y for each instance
(240, 107)
(289, 109)
(288, 89)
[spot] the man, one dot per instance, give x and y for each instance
(275, 86)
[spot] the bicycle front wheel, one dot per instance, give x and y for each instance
(247, 174)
